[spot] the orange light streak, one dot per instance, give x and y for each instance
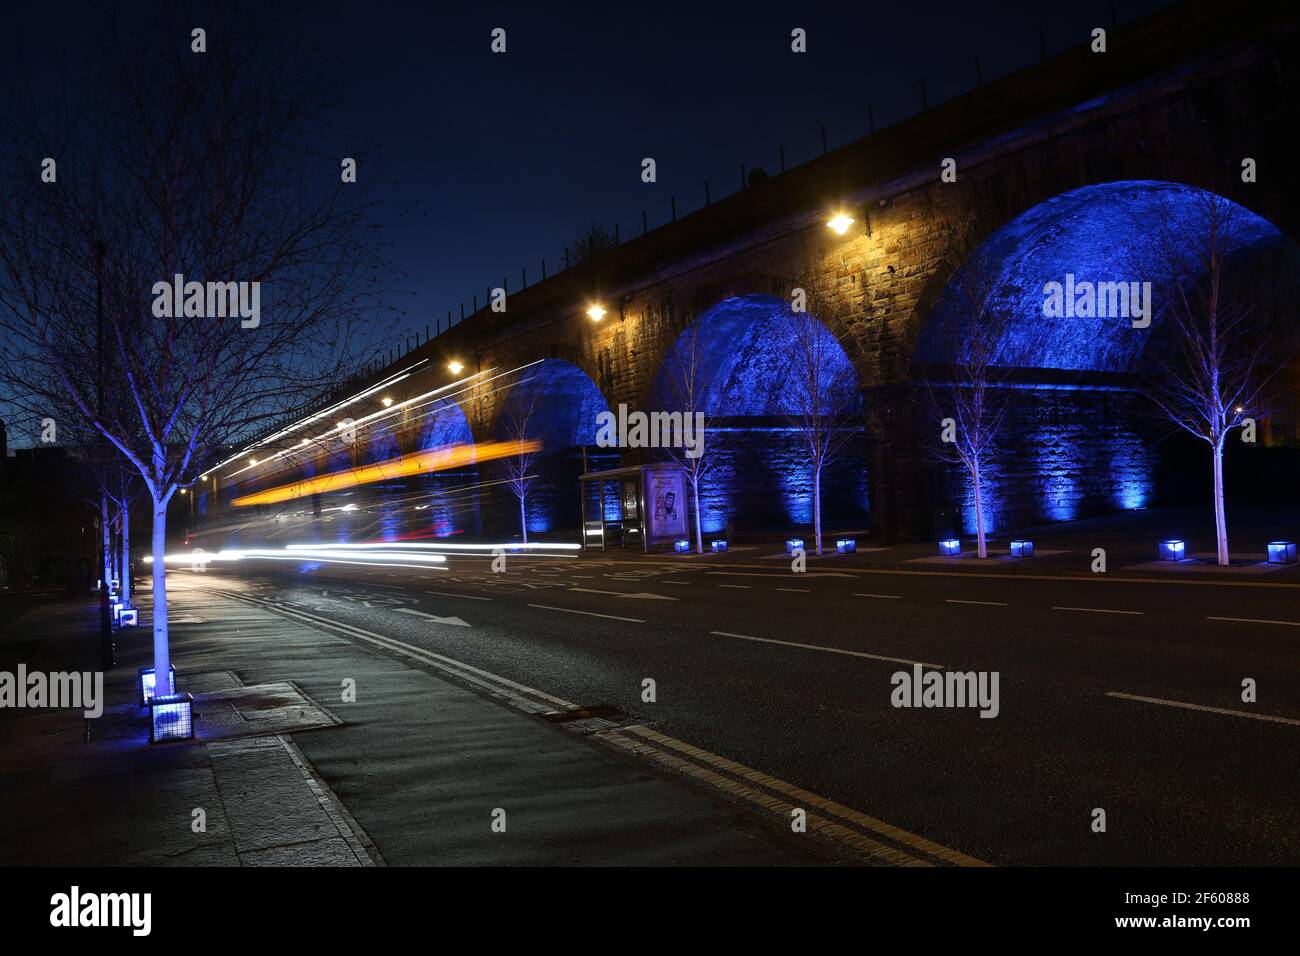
(435, 459)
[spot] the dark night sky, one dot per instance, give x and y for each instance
(505, 157)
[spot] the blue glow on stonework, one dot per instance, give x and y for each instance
(745, 350)
(445, 424)
(554, 402)
(381, 446)
(989, 485)
(746, 354)
(1097, 234)
(564, 415)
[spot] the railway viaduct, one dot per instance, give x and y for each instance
(1059, 168)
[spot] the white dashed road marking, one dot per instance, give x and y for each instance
(1251, 620)
(1098, 610)
(827, 650)
(1209, 710)
(569, 610)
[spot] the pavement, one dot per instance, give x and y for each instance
(415, 770)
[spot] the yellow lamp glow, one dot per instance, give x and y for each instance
(596, 312)
(840, 223)
(454, 367)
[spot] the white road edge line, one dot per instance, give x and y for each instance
(569, 610)
(738, 587)
(1097, 610)
(828, 650)
(467, 672)
(795, 590)
(452, 594)
(1202, 707)
(891, 597)
(1252, 620)
(988, 603)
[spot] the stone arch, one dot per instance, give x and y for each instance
(759, 475)
(556, 402)
(1077, 442)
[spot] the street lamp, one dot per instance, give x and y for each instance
(596, 312)
(454, 367)
(387, 401)
(840, 223)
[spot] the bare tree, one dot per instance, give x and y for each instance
(824, 397)
(516, 422)
(188, 166)
(1223, 342)
(588, 242)
(125, 490)
(689, 393)
(966, 389)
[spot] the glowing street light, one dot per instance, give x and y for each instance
(454, 367)
(596, 312)
(387, 401)
(840, 223)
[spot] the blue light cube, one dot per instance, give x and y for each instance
(1022, 549)
(792, 543)
(1281, 552)
(950, 547)
(682, 547)
(846, 545)
(719, 544)
(171, 717)
(1172, 550)
(129, 617)
(149, 683)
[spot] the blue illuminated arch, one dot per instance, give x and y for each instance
(746, 350)
(1078, 440)
(1096, 233)
(566, 406)
(444, 424)
(560, 404)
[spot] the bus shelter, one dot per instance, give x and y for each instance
(639, 506)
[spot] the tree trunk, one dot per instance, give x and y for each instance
(699, 535)
(523, 519)
(126, 555)
(982, 543)
(108, 546)
(817, 508)
(1220, 517)
(161, 652)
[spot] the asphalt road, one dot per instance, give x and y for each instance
(791, 674)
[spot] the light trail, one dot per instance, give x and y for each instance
(435, 459)
(317, 416)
